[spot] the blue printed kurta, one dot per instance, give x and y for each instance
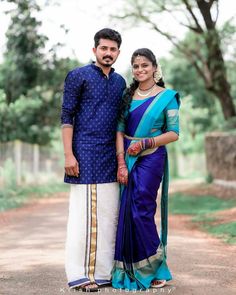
(90, 103)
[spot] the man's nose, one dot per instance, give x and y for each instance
(108, 51)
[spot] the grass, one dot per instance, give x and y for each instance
(225, 231)
(18, 196)
(202, 209)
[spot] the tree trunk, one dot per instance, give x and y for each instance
(215, 61)
(226, 101)
(220, 86)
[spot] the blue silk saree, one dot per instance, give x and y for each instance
(140, 253)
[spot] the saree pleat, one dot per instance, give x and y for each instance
(137, 238)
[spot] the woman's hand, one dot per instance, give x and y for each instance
(135, 149)
(122, 172)
(139, 146)
(122, 175)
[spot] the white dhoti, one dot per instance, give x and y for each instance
(91, 232)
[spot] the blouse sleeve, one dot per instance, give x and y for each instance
(121, 125)
(122, 119)
(172, 115)
(72, 89)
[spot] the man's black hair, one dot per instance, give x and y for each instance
(107, 34)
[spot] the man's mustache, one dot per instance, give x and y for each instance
(107, 56)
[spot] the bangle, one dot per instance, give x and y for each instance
(119, 152)
(147, 143)
(122, 166)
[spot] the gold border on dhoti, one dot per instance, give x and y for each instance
(93, 233)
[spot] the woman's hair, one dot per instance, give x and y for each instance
(129, 92)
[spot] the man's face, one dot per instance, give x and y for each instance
(106, 53)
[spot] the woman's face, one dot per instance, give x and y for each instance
(143, 69)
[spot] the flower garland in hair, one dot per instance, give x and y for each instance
(158, 74)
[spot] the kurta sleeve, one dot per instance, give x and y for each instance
(72, 90)
(172, 115)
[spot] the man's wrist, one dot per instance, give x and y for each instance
(70, 153)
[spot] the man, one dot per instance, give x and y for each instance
(91, 100)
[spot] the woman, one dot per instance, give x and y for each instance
(149, 121)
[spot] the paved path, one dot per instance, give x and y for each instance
(32, 255)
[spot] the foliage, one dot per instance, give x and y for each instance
(197, 205)
(32, 118)
(225, 231)
(202, 48)
(17, 197)
(24, 119)
(181, 75)
(31, 81)
(203, 210)
(23, 57)
(7, 172)
(200, 111)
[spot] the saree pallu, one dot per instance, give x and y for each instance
(140, 253)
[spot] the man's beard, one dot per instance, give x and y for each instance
(107, 64)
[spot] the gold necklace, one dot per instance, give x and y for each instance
(143, 93)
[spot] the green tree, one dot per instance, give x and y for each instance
(24, 55)
(33, 117)
(204, 52)
(32, 82)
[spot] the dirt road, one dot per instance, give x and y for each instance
(32, 255)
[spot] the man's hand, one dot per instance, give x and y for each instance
(71, 165)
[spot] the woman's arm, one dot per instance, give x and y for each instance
(122, 172)
(172, 131)
(119, 142)
(166, 138)
(152, 142)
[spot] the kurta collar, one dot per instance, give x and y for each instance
(100, 70)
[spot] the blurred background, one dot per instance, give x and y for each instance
(40, 41)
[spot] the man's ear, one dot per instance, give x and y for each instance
(94, 50)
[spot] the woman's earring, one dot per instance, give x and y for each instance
(157, 75)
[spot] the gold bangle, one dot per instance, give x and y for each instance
(122, 166)
(119, 153)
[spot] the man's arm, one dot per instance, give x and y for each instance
(72, 91)
(71, 164)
